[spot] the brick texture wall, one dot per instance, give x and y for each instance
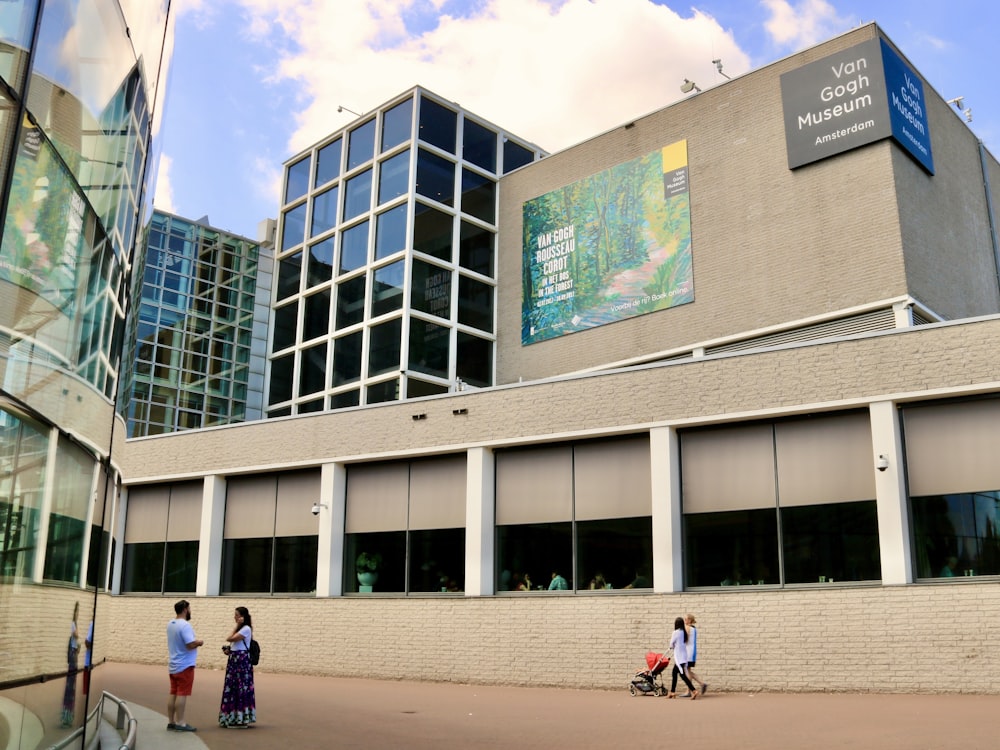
(927, 362)
(919, 638)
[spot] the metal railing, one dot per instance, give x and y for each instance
(123, 721)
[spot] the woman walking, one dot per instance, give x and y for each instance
(678, 645)
(239, 704)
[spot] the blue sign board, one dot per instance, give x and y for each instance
(907, 109)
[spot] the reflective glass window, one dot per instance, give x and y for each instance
(479, 196)
(438, 125)
(281, 378)
(297, 175)
(293, 231)
(181, 567)
(246, 565)
(350, 302)
(956, 535)
(614, 553)
(831, 542)
(23, 458)
(475, 304)
(475, 249)
(528, 553)
(515, 156)
(479, 146)
(432, 231)
(295, 562)
(387, 289)
(394, 177)
(380, 393)
(396, 123)
(429, 347)
(347, 360)
(431, 289)
(345, 400)
(437, 560)
(17, 24)
(317, 315)
(474, 360)
(354, 247)
(142, 567)
(384, 347)
(312, 374)
(358, 195)
(390, 232)
(361, 146)
(731, 547)
(70, 502)
(418, 388)
(285, 324)
(435, 177)
(324, 212)
(321, 261)
(289, 275)
(328, 162)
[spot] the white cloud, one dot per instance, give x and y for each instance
(802, 24)
(552, 72)
(266, 177)
(163, 199)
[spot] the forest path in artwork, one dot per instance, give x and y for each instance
(627, 286)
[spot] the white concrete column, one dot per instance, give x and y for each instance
(330, 554)
(665, 480)
(213, 524)
(480, 522)
(118, 539)
(890, 494)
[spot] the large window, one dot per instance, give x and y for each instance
(405, 526)
(954, 483)
(73, 479)
(162, 529)
(270, 541)
(789, 502)
(582, 512)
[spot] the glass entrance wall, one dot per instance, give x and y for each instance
(79, 80)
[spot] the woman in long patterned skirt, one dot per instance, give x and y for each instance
(239, 704)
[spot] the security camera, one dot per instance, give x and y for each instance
(315, 509)
(882, 464)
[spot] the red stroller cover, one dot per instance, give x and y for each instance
(656, 662)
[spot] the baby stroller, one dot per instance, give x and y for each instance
(649, 680)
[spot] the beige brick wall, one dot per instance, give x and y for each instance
(770, 245)
(918, 638)
(932, 359)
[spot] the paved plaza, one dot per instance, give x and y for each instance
(326, 712)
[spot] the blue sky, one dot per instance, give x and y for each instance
(254, 82)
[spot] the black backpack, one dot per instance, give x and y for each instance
(254, 652)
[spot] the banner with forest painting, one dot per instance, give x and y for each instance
(608, 247)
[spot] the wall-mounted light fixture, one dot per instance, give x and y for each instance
(342, 108)
(457, 412)
(418, 417)
(959, 102)
(688, 86)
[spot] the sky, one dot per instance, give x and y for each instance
(254, 82)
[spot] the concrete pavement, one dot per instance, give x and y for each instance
(313, 712)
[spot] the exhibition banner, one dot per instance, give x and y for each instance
(611, 246)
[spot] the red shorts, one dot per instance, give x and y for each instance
(182, 682)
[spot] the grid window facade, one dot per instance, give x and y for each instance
(199, 356)
(397, 235)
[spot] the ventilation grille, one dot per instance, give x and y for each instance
(920, 320)
(876, 320)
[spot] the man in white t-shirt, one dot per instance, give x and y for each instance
(183, 649)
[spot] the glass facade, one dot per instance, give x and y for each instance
(82, 85)
(401, 221)
(199, 331)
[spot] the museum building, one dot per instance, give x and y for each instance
(739, 356)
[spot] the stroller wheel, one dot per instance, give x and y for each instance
(632, 691)
(660, 692)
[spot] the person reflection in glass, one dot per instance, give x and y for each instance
(72, 651)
